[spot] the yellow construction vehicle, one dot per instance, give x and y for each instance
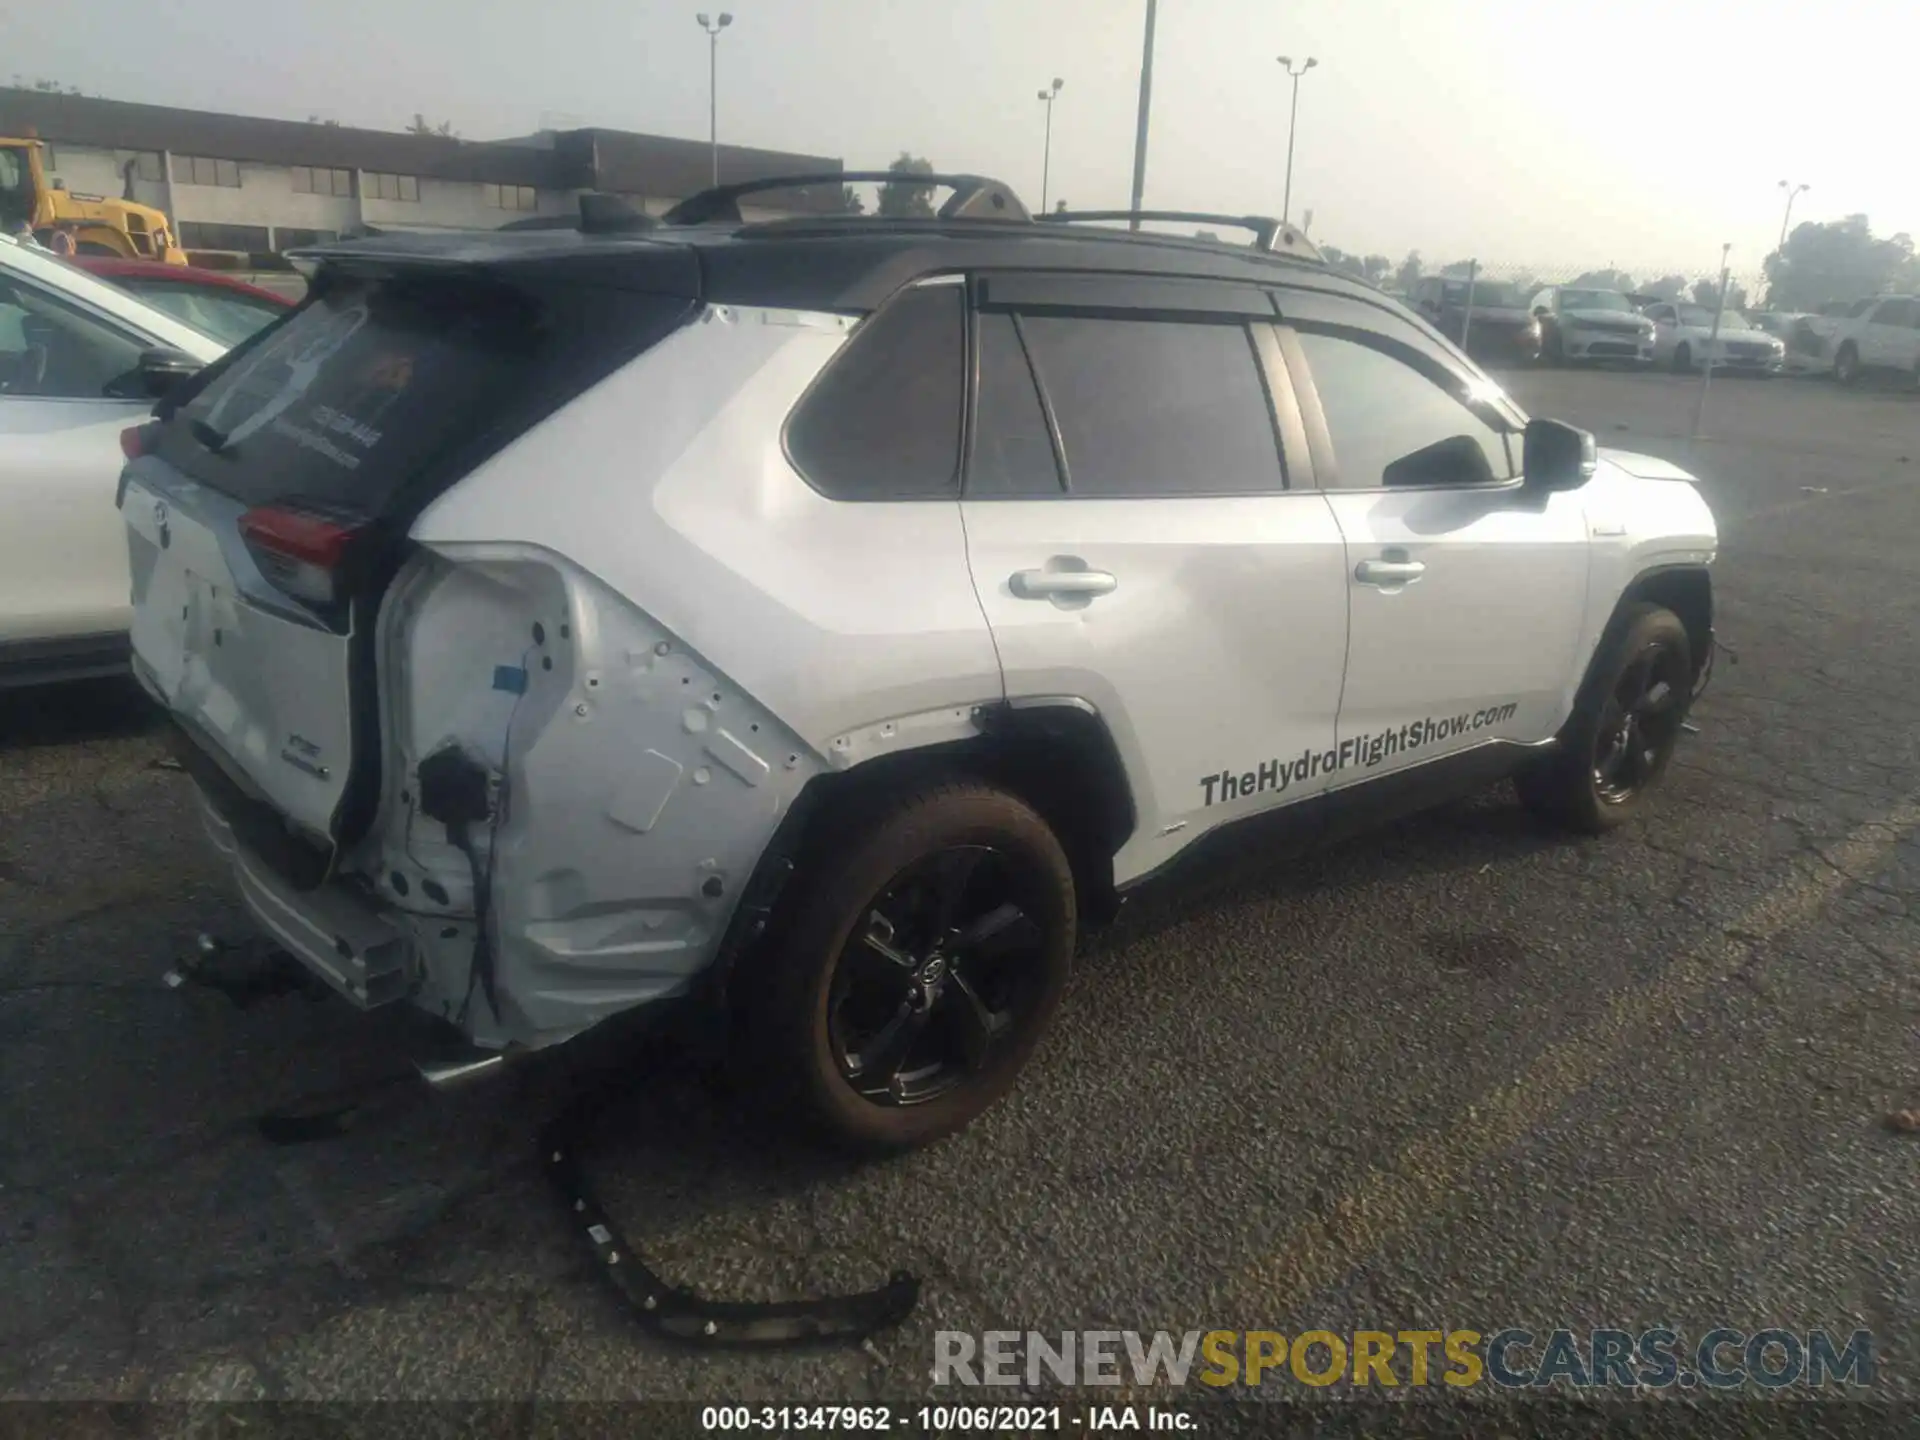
(95, 224)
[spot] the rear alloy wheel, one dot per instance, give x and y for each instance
(921, 968)
(1624, 728)
(1846, 365)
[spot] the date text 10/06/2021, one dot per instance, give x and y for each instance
(946, 1419)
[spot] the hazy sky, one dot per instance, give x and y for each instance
(1544, 132)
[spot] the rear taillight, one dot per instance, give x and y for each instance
(135, 441)
(300, 552)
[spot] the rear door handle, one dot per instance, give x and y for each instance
(1388, 572)
(1046, 584)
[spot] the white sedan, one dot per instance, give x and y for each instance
(1683, 336)
(80, 361)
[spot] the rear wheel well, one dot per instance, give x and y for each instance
(1059, 758)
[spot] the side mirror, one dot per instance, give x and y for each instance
(157, 373)
(1556, 456)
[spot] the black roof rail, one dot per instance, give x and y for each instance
(975, 197)
(1275, 236)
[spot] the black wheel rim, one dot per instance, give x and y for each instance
(1639, 723)
(938, 977)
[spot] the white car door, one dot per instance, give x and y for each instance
(68, 387)
(1876, 328)
(1136, 547)
(1467, 595)
(1889, 340)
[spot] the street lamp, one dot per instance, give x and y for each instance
(1140, 125)
(1293, 119)
(713, 84)
(1792, 190)
(1046, 155)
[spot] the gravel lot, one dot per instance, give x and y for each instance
(1459, 1074)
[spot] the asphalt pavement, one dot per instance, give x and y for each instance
(1457, 1074)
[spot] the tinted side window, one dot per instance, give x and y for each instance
(1012, 448)
(883, 422)
(1155, 407)
(1895, 312)
(1393, 425)
(54, 350)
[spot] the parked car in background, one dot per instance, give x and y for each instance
(1807, 350)
(1879, 336)
(1684, 336)
(1487, 318)
(80, 361)
(229, 310)
(1579, 323)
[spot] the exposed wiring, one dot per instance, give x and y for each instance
(481, 969)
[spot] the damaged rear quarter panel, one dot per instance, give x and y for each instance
(640, 787)
(660, 510)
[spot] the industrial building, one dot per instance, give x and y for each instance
(237, 183)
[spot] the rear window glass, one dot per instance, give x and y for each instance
(362, 399)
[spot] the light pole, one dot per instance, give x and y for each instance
(1140, 126)
(713, 84)
(1293, 120)
(1046, 155)
(1792, 191)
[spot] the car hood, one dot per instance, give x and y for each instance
(1645, 467)
(1607, 317)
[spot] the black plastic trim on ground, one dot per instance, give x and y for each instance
(679, 1313)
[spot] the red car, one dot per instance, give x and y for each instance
(217, 305)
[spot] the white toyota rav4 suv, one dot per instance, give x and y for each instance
(832, 616)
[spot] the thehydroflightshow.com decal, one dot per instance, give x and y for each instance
(1365, 751)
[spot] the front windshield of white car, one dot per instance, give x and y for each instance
(1595, 300)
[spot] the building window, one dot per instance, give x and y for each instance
(319, 180)
(392, 187)
(509, 197)
(204, 235)
(200, 170)
(146, 166)
(290, 237)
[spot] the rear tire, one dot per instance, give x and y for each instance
(1624, 727)
(916, 970)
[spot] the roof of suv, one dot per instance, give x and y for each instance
(849, 263)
